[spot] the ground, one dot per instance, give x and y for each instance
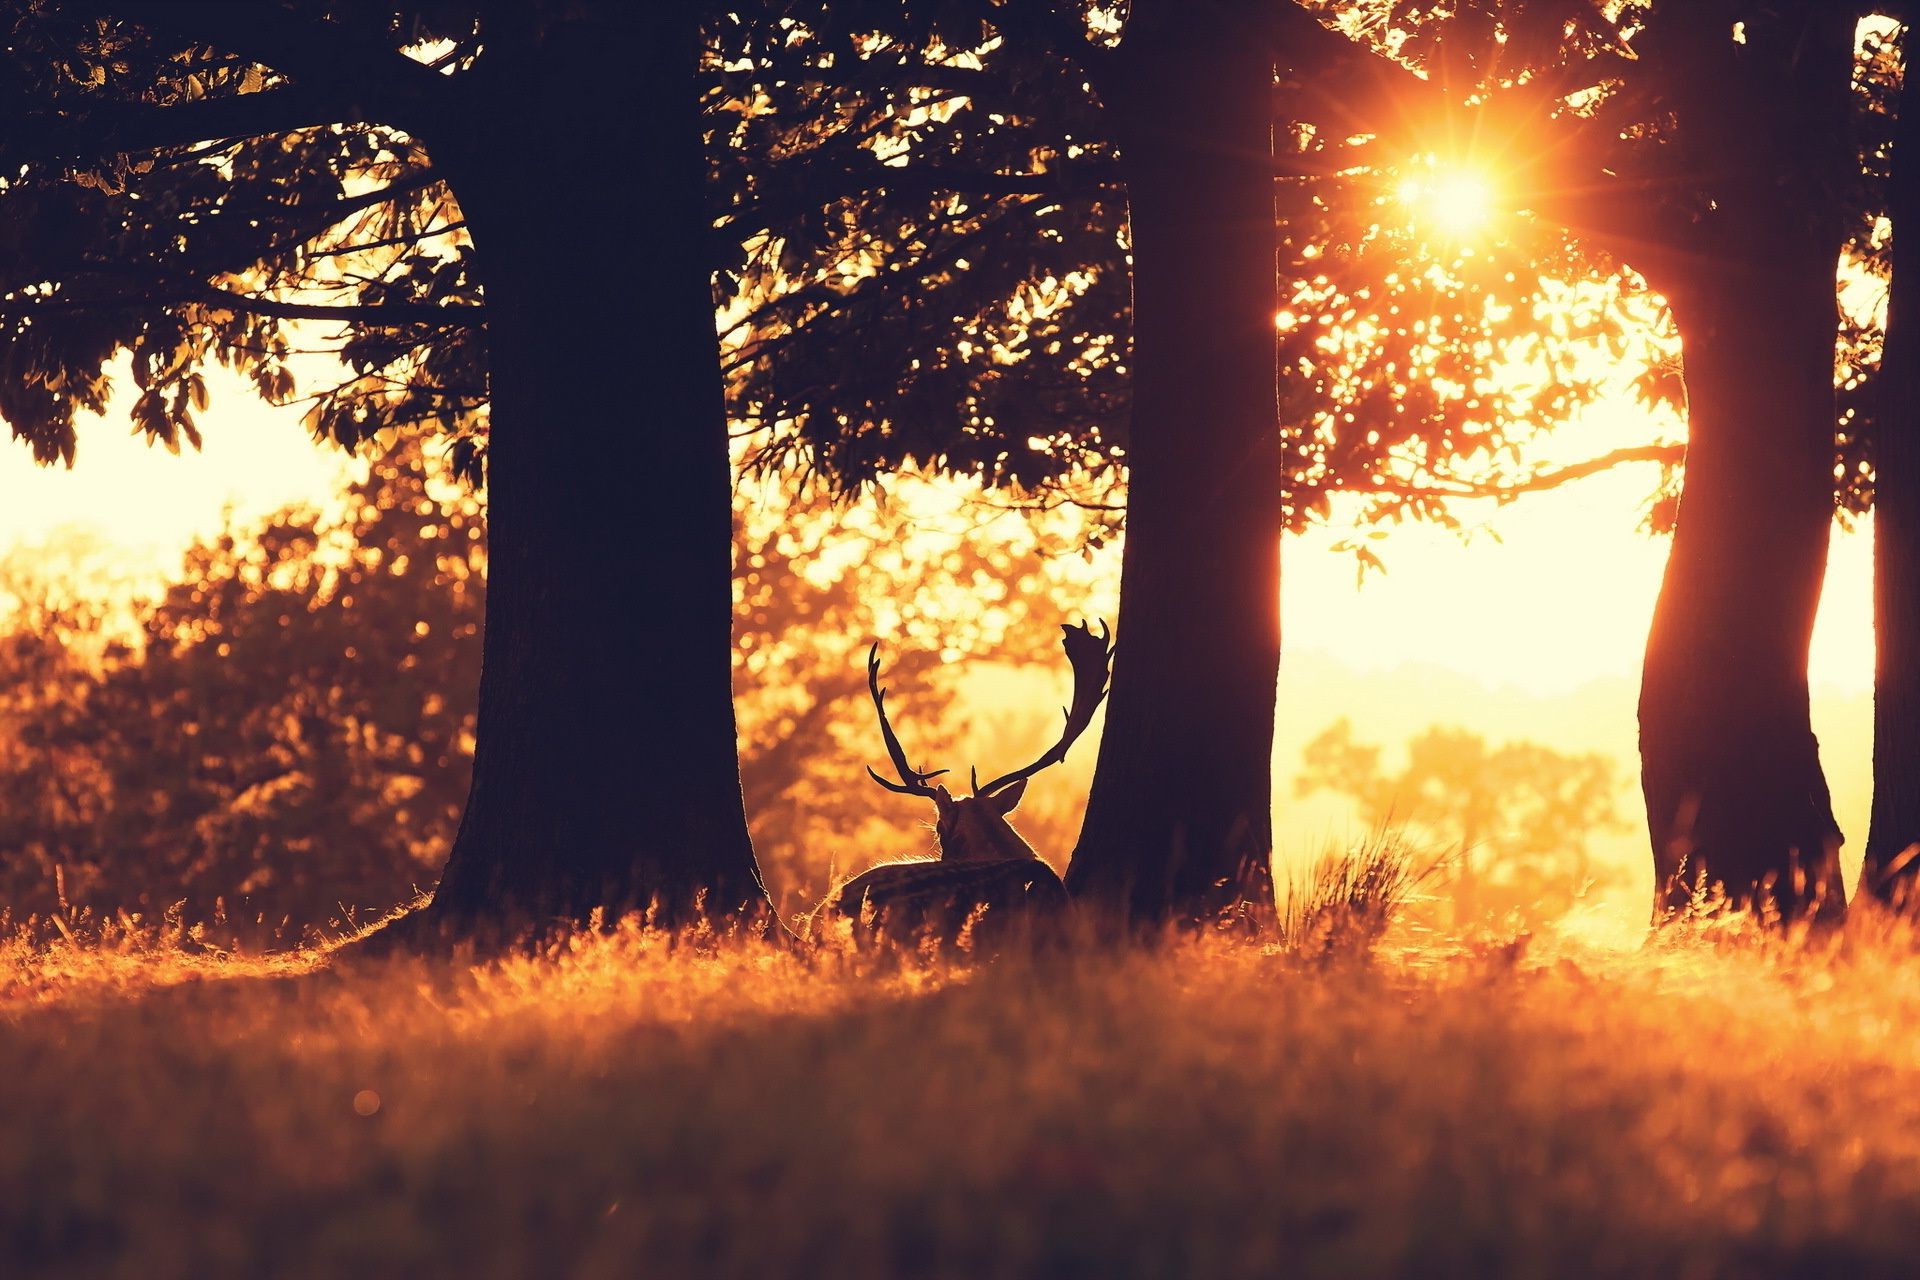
(627, 1105)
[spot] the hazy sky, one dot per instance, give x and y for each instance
(142, 498)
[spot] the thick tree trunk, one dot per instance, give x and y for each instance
(1736, 799)
(1730, 767)
(606, 773)
(1179, 823)
(1891, 868)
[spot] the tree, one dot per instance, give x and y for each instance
(1179, 821)
(1735, 793)
(195, 174)
(1516, 819)
(1889, 868)
(1644, 143)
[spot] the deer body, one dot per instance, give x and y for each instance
(990, 900)
(986, 878)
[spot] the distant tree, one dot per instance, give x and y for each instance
(192, 181)
(58, 634)
(1513, 823)
(287, 736)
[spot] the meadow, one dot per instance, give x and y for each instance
(628, 1103)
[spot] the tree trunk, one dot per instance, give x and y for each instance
(606, 773)
(1729, 764)
(1890, 870)
(1735, 795)
(1179, 822)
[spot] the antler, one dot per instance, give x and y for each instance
(1091, 657)
(912, 781)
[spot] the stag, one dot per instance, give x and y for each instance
(984, 876)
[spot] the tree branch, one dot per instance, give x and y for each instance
(370, 78)
(388, 313)
(392, 242)
(874, 75)
(385, 314)
(126, 128)
(804, 191)
(1667, 455)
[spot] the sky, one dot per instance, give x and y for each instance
(1546, 594)
(150, 504)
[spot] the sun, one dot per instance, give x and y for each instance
(1455, 200)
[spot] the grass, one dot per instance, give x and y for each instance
(1344, 902)
(629, 1106)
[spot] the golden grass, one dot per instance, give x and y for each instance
(626, 1106)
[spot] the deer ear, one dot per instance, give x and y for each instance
(1003, 801)
(942, 799)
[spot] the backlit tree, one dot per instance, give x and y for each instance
(501, 211)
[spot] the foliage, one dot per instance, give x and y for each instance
(1863, 296)
(179, 202)
(1518, 817)
(863, 155)
(286, 739)
(942, 181)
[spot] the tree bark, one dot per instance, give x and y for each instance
(606, 775)
(1736, 799)
(1179, 822)
(1890, 867)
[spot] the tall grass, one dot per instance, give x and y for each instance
(632, 1104)
(1343, 903)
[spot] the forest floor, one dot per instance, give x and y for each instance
(627, 1106)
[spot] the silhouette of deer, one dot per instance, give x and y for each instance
(983, 872)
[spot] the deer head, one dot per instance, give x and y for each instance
(975, 828)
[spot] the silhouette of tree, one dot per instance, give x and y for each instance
(1889, 869)
(191, 181)
(1745, 252)
(1645, 143)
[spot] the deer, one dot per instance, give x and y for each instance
(985, 879)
